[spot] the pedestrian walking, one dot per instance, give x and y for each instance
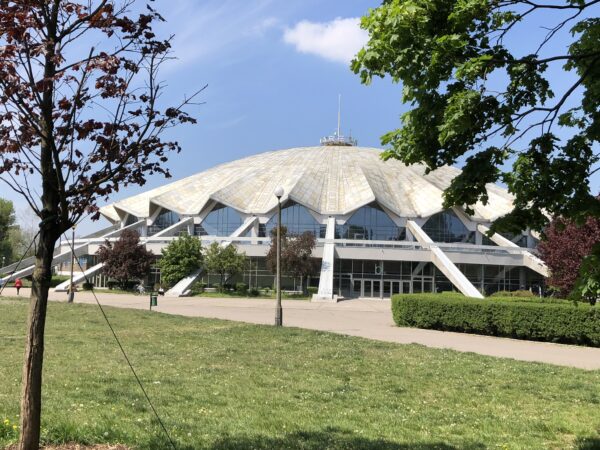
(18, 285)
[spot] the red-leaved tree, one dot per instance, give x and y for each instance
(80, 116)
(564, 247)
(296, 254)
(126, 259)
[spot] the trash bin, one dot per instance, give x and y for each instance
(153, 299)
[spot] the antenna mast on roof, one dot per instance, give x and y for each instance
(339, 112)
(337, 139)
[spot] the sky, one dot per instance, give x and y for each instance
(273, 70)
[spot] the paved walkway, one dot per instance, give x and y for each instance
(370, 319)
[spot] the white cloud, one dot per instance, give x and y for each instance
(338, 40)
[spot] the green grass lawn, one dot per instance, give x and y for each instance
(226, 385)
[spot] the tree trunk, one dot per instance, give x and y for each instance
(31, 394)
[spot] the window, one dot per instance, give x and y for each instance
(447, 227)
(297, 219)
(372, 223)
(164, 220)
(131, 219)
(221, 221)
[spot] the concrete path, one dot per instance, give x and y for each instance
(370, 319)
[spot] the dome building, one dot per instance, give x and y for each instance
(381, 227)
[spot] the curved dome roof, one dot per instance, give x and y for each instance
(330, 180)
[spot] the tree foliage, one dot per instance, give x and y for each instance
(475, 98)
(296, 254)
(587, 286)
(226, 261)
(564, 248)
(82, 116)
(7, 226)
(180, 258)
(83, 121)
(126, 259)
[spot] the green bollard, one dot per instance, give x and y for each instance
(153, 300)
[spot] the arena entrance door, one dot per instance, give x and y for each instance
(377, 288)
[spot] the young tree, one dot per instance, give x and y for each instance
(563, 249)
(81, 117)
(476, 97)
(126, 259)
(271, 258)
(180, 258)
(296, 254)
(226, 261)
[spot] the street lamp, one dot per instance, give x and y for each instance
(71, 296)
(278, 310)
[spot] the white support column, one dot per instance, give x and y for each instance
(26, 270)
(442, 262)
(325, 292)
(79, 277)
(182, 288)
(249, 222)
(529, 260)
(116, 233)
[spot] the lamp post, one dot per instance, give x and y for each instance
(71, 296)
(278, 310)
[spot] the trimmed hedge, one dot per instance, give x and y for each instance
(555, 321)
(520, 293)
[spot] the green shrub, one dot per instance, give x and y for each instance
(312, 290)
(550, 321)
(57, 279)
(241, 288)
(198, 288)
(521, 293)
(253, 292)
(87, 286)
(530, 300)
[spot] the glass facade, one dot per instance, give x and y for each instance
(371, 223)
(447, 227)
(297, 219)
(371, 278)
(164, 220)
(257, 275)
(382, 279)
(221, 221)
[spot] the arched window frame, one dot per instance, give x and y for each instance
(222, 220)
(447, 227)
(296, 218)
(370, 222)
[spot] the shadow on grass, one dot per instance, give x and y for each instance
(328, 439)
(331, 439)
(589, 443)
(312, 440)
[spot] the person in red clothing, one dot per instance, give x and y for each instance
(18, 285)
